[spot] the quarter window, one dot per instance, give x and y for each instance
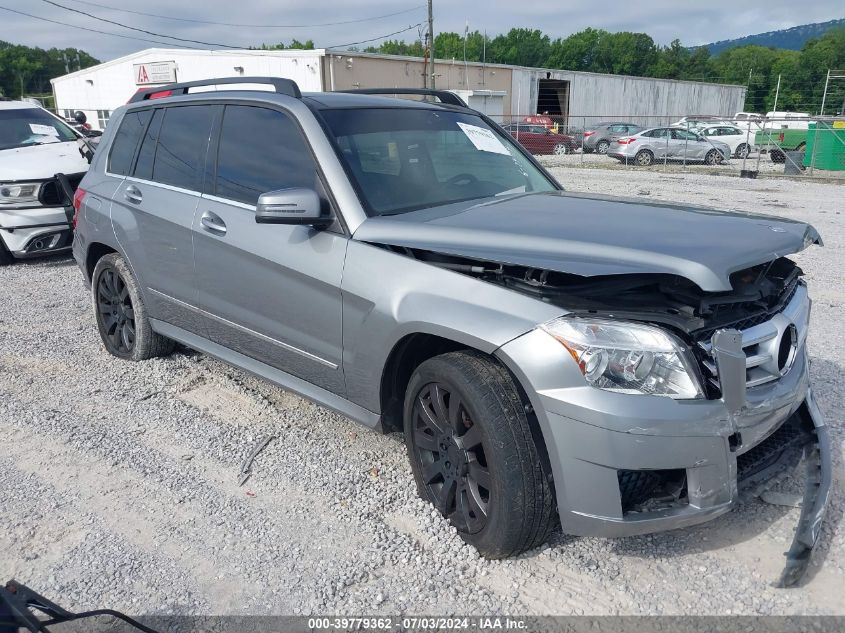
(182, 144)
(126, 140)
(260, 150)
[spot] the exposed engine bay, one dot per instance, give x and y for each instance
(668, 300)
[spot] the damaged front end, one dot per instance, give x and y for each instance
(744, 341)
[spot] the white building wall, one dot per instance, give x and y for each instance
(107, 86)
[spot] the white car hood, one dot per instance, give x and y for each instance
(37, 162)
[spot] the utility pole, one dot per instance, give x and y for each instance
(431, 39)
(777, 94)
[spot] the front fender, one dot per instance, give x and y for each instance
(387, 296)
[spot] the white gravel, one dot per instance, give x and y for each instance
(118, 481)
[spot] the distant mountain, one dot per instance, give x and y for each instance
(791, 39)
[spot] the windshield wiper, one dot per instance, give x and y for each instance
(18, 604)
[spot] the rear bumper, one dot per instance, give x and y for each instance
(34, 232)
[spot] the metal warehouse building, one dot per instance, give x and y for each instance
(496, 89)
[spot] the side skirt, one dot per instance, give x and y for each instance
(286, 381)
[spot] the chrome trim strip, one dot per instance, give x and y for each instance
(234, 203)
(162, 185)
(243, 329)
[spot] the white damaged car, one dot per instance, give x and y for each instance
(35, 145)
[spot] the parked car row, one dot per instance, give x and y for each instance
(669, 144)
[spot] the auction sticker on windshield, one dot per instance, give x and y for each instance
(483, 139)
(44, 130)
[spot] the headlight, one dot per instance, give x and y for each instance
(19, 192)
(627, 357)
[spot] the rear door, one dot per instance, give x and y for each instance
(269, 291)
(153, 209)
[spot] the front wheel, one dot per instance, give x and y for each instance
(560, 149)
(121, 315)
(473, 454)
(743, 150)
(713, 157)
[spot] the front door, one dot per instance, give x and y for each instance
(269, 291)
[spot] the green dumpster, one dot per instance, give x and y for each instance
(826, 146)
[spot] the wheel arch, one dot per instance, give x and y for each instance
(96, 251)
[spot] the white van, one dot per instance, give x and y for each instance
(35, 145)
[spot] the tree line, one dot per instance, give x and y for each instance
(26, 70)
(802, 72)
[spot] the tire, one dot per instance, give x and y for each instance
(602, 146)
(713, 157)
(125, 331)
(561, 149)
(5, 256)
(801, 147)
(742, 150)
(777, 156)
(644, 158)
(483, 470)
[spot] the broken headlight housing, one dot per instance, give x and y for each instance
(19, 193)
(628, 357)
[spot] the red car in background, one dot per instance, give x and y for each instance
(541, 140)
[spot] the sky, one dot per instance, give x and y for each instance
(271, 21)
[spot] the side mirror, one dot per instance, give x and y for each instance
(290, 206)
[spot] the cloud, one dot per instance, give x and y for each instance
(664, 20)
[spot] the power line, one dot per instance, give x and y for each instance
(380, 37)
(83, 28)
(256, 26)
(132, 28)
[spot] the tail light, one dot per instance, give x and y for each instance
(625, 141)
(586, 134)
(78, 197)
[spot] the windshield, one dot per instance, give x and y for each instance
(20, 127)
(402, 159)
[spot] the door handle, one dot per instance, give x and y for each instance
(133, 194)
(213, 223)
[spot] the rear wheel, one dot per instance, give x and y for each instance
(474, 456)
(560, 149)
(644, 158)
(602, 146)
(121, 315)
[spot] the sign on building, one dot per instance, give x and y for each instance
(154, 73)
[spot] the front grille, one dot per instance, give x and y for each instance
(768, 452)
(771, 342)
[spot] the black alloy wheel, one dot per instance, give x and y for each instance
(450, 449)
(115, 311)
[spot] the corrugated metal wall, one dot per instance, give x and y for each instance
(640, 100)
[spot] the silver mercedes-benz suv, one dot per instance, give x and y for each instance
(624, 367)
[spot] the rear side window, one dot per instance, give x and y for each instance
(182, 143)
(126, 140)
(146, 155)
(260, 150)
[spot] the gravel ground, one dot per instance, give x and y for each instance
(119, 480)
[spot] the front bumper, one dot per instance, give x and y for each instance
(35, 231)
(595, 438)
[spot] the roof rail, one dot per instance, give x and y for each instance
(281, 86)
(444, 95)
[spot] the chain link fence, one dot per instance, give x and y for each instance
(749, 145)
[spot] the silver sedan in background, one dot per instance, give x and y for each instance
(668, 144)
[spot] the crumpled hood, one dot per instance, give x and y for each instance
(37, 162)
(593, 235)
